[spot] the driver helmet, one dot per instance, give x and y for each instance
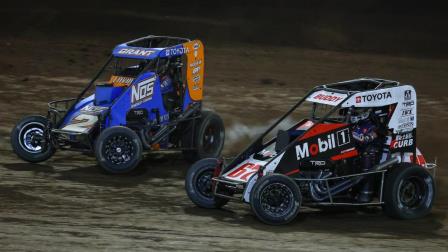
(360, 116)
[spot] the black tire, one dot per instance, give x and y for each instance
(409, 192)
(208, 138)
(198, 184)
(118, 149)
(26, 139)
(275, 199)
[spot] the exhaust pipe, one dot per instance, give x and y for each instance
(318, 193)
(385, 164)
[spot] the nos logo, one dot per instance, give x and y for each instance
(142, 91)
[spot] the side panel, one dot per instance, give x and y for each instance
(244, 171)
(195, 68)
(77, 109)
(143, 93)
(404, 117)
(323, 144)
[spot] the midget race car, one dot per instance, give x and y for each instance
(355, 146)
(147, 97)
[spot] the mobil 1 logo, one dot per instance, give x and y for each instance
(324, 143)
(142, 91)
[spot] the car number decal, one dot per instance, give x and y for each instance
(244, 172)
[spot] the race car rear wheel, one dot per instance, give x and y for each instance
(27, 139)
(409, 192)
(275, 199)
(208, 138)
(199, 185)
(118, 150)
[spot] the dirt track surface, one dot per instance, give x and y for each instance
(67, 204)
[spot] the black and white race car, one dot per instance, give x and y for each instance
(355, 146)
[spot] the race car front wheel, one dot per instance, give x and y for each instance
(409, 192)
(27, 139)
(118, 150)
(275, 199)
(199, 184)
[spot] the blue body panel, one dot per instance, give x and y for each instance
(123, 102)
(125, 51)
(77, 109)
(132, 52)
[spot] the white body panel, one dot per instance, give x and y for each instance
(404, 118)
(245, 170)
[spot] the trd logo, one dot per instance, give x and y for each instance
(324, 144)
(407, 95)
(408, 103)
(373, 97)
(317, 163)
(142, 91)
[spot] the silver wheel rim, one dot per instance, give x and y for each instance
(26, 138)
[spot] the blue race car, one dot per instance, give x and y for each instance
(148, 96)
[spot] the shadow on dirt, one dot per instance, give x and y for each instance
(37, 168)
(368, 222)
(86, 171)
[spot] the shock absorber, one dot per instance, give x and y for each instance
(386, 149)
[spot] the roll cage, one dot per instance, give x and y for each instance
(348, 88)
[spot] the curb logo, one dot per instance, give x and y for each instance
(401, 141)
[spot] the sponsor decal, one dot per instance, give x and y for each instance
(406, 112)
(403, 140)
(323, 144)
(196, 78)
(93, 109)
(407, 95)
(373, 97)
(119, 81)
(176, 51)
(195, 48)
(142, 91)
(195, 67)
(406, 119)
(135, 52)
(406, 126)
(325, 97)
(81, 123)
(331, 98)
(244, 172)
(408, 103)
(318, 163)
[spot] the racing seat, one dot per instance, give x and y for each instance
(282, 140)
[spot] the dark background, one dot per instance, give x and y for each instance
(261, 56)
(417, 28)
